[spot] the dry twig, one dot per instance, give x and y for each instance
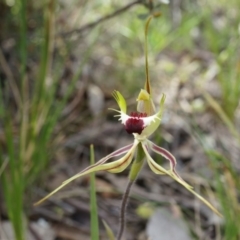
(102, 19)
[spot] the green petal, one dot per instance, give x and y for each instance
(166, 154)
(156, 168)
(120, 101)
(150, 129)
(152, 164)
(161, 105)
(121, 164)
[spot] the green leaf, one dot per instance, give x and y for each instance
(109, 231)
(93, 201)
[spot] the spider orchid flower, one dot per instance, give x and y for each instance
(141, 124)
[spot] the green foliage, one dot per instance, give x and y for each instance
(224, 43)
(227, 187)
(93, 201)
(223, 40)
(29, 129)
(13, 183)
(29, 125)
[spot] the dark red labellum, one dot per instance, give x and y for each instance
(135, 123)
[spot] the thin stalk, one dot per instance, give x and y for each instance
(23, 39)
(93, 201)
(42, 98)
(13, 184)
(46, 54)
(135, 169)
(123, 210)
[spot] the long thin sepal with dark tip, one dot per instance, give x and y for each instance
(115, 166)
(156, 168)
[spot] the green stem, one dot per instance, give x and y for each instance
(135, 169)
(23, 39)
(137, 164)
(93, 201)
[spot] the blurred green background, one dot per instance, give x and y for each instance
(57, 74)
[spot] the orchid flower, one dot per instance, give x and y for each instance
(141, 125)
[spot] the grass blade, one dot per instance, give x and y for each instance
(93, 201)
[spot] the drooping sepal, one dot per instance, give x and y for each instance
(115, 166)
(156, 168)
(166, 154)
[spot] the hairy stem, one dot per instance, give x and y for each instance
(135, 169)
(123, 210)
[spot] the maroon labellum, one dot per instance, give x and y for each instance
(135, 123)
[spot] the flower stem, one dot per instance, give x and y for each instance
(123, 210)
(135, 169)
